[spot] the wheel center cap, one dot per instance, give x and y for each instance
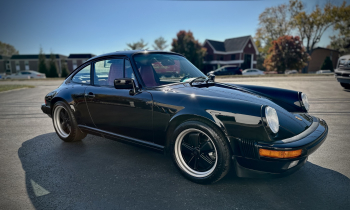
(196, 152)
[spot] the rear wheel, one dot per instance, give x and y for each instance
(200, 152)
(345, 85)
(65, 124)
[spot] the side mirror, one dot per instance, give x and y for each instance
(125, 83)
(211, 76)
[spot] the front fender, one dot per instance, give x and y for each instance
(237, 118)
(287, 99)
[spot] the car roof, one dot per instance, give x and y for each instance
(130, 53)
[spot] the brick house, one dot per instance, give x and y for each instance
(239, 51)
(75, 60)
(31, 62)
(318, 55)
(4, 63)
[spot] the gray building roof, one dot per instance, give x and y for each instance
(230, 45)
(35, 56)
(87, 55)
(4, 57)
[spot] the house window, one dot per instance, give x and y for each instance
(8, 65)
(74, 64)
(26, 65)
(233, 57)
(249, 45)
(18, 68)
(220, 57)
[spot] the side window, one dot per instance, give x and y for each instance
(128, 70)
(83, 76)
(106, 71)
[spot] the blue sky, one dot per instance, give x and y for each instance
(99, 27)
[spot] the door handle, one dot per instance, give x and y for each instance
(90, 95)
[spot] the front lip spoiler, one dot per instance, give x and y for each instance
(308, 141)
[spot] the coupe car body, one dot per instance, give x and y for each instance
(206, 126)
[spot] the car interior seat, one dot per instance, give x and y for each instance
(115, 72)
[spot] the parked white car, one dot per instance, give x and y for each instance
(28, 74)
(342, 72)
(251, 72)
(324, 72)
(291, 72)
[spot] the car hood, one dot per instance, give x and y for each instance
(288, 121)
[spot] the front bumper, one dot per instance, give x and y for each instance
(342, 76)
(46, 109)
(255, 166)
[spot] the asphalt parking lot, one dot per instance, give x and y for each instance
(39, 171)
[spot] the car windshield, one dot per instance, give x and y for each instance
(161, 69)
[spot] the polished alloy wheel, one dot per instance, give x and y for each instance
(195, 152)
(62, 121)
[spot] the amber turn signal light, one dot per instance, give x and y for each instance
(279, 153)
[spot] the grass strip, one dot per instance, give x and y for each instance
(12, 87)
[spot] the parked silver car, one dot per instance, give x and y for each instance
(291, 72)
(252, 72)
(28, 74)
(342, 72)
(324, 72)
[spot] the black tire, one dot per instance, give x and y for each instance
(211, 166)
(345, 85)
(65, 123)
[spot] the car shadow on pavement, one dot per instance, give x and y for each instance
(102, 174)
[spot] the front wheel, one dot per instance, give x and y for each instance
(65, 124)
(200, 152)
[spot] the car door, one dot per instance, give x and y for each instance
(76, 86)
(117, 110)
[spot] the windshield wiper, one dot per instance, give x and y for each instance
(206, 79)
(197, 78)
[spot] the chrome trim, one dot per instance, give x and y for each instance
(123, 138)
(301, 135)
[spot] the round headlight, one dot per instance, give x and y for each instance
(272, 119)
(305, 101)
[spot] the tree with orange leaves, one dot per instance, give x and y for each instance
(287, 52)
(187, 45)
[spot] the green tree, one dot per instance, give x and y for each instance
(327, 64)
(312, 25)
(160, 44)
(42, 62)
(64, 70)
(341, 41)
(53, 67)
(7, 49)
(187, 45)
(287, 52)
(273, 23)
(137, 45)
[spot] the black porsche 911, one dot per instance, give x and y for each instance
(207, 127)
